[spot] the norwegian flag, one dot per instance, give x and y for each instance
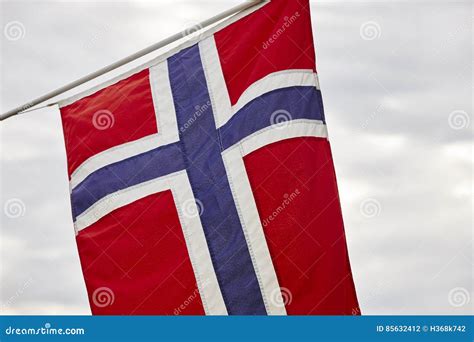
(203, 182)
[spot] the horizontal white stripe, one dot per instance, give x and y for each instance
(120, 198)
(247, 208)
(287, 130)
(166, 114)
(112, 155)
(166, 125)
(273, 81)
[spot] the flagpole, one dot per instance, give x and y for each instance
(239, 8)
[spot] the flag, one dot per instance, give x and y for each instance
(203, 181)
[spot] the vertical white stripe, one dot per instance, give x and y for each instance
(165, 119)
(193, 232)
(219, 95)
(215, 81)
(253, 231)
(163, 102)
(247, 208)
(197, 246)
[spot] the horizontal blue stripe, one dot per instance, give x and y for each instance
(123, 174)
(299, 102)
(290, 103)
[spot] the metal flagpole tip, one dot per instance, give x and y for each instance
(16, 31)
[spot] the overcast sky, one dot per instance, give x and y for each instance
(397, 84)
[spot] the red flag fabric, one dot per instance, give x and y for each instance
(203, 182)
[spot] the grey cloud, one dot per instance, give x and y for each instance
(387, 104)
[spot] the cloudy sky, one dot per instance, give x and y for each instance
(397, 85)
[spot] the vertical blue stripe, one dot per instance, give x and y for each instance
(202, 148)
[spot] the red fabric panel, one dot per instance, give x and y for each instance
(295, 188)
(138, 253)
(115, 115)
(276, 37)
